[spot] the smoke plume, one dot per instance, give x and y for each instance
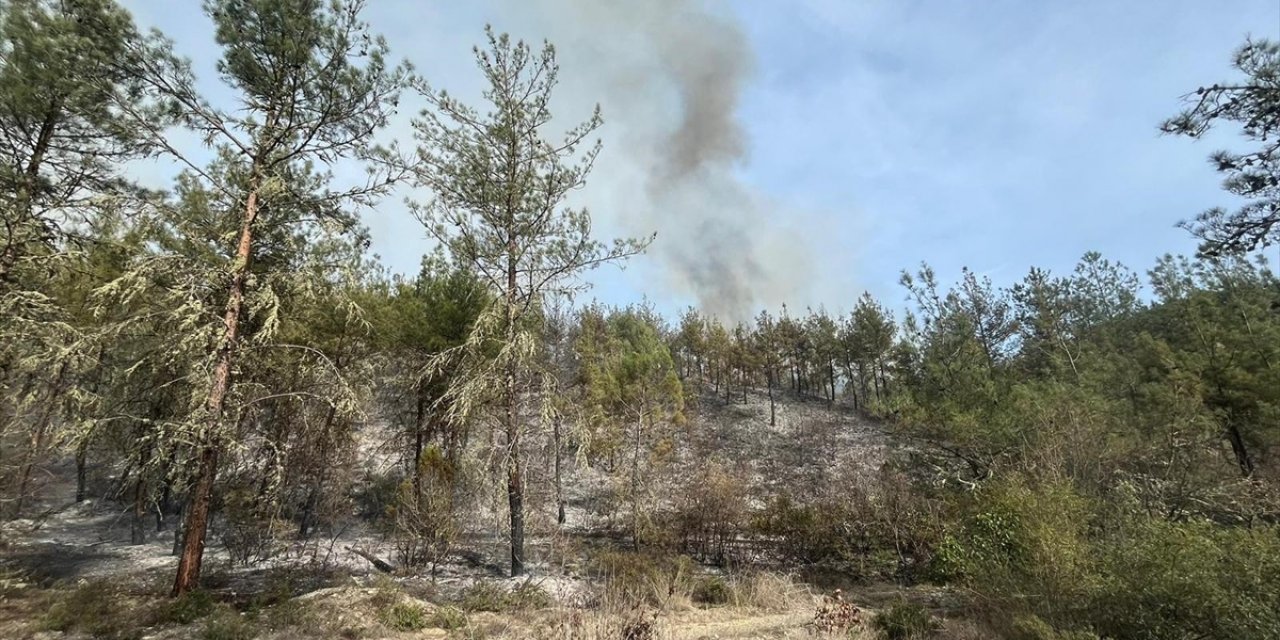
(670, 75)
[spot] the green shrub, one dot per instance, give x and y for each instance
(1022, 539)
(905, 621)
(633, 579)
(879, 530)
(491, 596)
(404, 616)
(95, 608)
(226, 624)
(712, 590)
(1034, 628)
(448, 618)
(1175, 580)
(483, 596)
(186, 608)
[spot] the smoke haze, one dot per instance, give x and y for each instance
(672, 75)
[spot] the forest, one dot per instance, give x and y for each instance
(222, 416)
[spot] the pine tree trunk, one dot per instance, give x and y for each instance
(82, 464)
(555, 434)
(1243, 459)
(773, 412)
(197, 521)
(635, 485)
(24, 196)
(418, 429)
(862, 381)
(137, 531)
(39, 434)
(831, 373)
(515, 480)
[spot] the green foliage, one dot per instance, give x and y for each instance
(1171, 580)
(95, 608)
(1026, 546)
(226, 624)
(186, 608)
(448, 618)
(712, 590)
(633, 579)
(905, 621)
(491, 596)
(403, 615)
(885, 529)
(1031, 627)
(1251, 103)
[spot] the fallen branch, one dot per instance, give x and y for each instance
(379, 564)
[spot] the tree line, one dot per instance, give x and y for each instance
(210, 354)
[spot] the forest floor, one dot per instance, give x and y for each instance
(75, 559)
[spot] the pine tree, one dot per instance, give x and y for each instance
(500, 189)
(313, 86)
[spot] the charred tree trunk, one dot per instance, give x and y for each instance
(1243, 459)
(555, 436)
(515, 478)
(773, 412)
(39, 434)
(419, 427)
(197, 520)
(831, 374)
(82, 469)
(137, 530)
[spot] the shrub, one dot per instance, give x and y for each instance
(1171, 580)
(768, 591)
(227, 625)
(186, 608)
(404, 615)
(1034, 628)
(905, 621)
(424, 517)
(637, 579)
(448, 618)
(95, 608)
(491, 596)
(249, 535)
(710, 513)
(1024, 539)
(712, 590)
(876, 529)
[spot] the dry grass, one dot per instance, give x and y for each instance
(768, 592)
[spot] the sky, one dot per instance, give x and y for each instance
(802, 152)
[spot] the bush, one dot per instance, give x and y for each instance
(424, 517)
(491, 596)
(768, 591)
(95, 608)
(1035, 628)
(250, 536)
(712, 590)
(404, 615)
(227, 625)
(448, 618)
(905, 621)
(1171, 580)
(710, 513)
(875, 529)
(637, 579)
(186, 608)
(1024, 539)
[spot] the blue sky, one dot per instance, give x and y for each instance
(880, 133)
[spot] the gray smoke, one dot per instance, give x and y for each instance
(669, 75)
